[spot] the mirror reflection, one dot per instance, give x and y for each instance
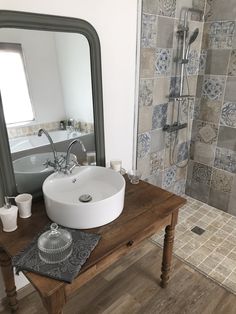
(46, 92)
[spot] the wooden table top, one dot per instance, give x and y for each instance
(145, 207)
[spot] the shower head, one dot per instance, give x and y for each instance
(193, 37)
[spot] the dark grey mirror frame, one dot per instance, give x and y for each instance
(33, 21)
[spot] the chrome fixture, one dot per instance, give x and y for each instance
(40, 132)
(182, 97)
(57, 161)
(69, 167)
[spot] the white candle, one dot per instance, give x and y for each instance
(116, 165)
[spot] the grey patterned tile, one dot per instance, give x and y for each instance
(213, 87)
(143, 165)
(232, 64)
(221, 180)
(220, 10)
(217, 61)
(198, 191)
(156, 162)
(210, 111)
(166, 7)
(161, 90)
(144, 144)
(203, 153)
(204, 132)
(147, 62)
(221, 34)
(226, 138)
(165, 28)
(201, 174)
(169, 176)
(230, 90)
(145, 119)
(149, 31)
(225, 159)
(193, 64)
(159, 116)
(157, 141)
(202, 62)
(228, 114)
(163, 62)
(146, 92)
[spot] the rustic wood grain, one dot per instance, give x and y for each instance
(147, 209)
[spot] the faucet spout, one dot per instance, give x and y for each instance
(40, 132)
(67, 165)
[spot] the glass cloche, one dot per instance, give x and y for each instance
(55, 245)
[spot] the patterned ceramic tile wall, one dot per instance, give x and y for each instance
(159, 78)
(213, 145)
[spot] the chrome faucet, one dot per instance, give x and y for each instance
(40, 132)
(57, 163)
(68, 168)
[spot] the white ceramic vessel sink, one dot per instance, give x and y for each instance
(62, 194)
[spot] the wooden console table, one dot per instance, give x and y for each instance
(147, 210)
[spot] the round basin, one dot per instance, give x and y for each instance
(90, 197)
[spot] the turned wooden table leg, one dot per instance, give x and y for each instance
(9, 281)
(168, 250)
(55, 302)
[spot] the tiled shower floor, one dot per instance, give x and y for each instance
(213, 253)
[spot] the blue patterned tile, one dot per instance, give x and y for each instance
(213, 87)
(146, 92)
(225, 159)
(193, 63)
(169, 176)
(149, 31)
(228, 114)
(167, 7)
(179, 187)
(159, 116)
(182, 152)
(144, 144)
(163, 62)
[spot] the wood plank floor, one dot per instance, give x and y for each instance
(131, 286)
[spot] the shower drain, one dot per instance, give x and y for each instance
(85, 198)
(198, 230)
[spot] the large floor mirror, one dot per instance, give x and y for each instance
(50, 80)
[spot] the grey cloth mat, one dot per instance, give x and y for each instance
(83, 244)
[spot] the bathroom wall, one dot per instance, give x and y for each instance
(211, 172)
(159, 79)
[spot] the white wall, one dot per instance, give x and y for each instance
(39, 55)
(75, 71)
(115, 22)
